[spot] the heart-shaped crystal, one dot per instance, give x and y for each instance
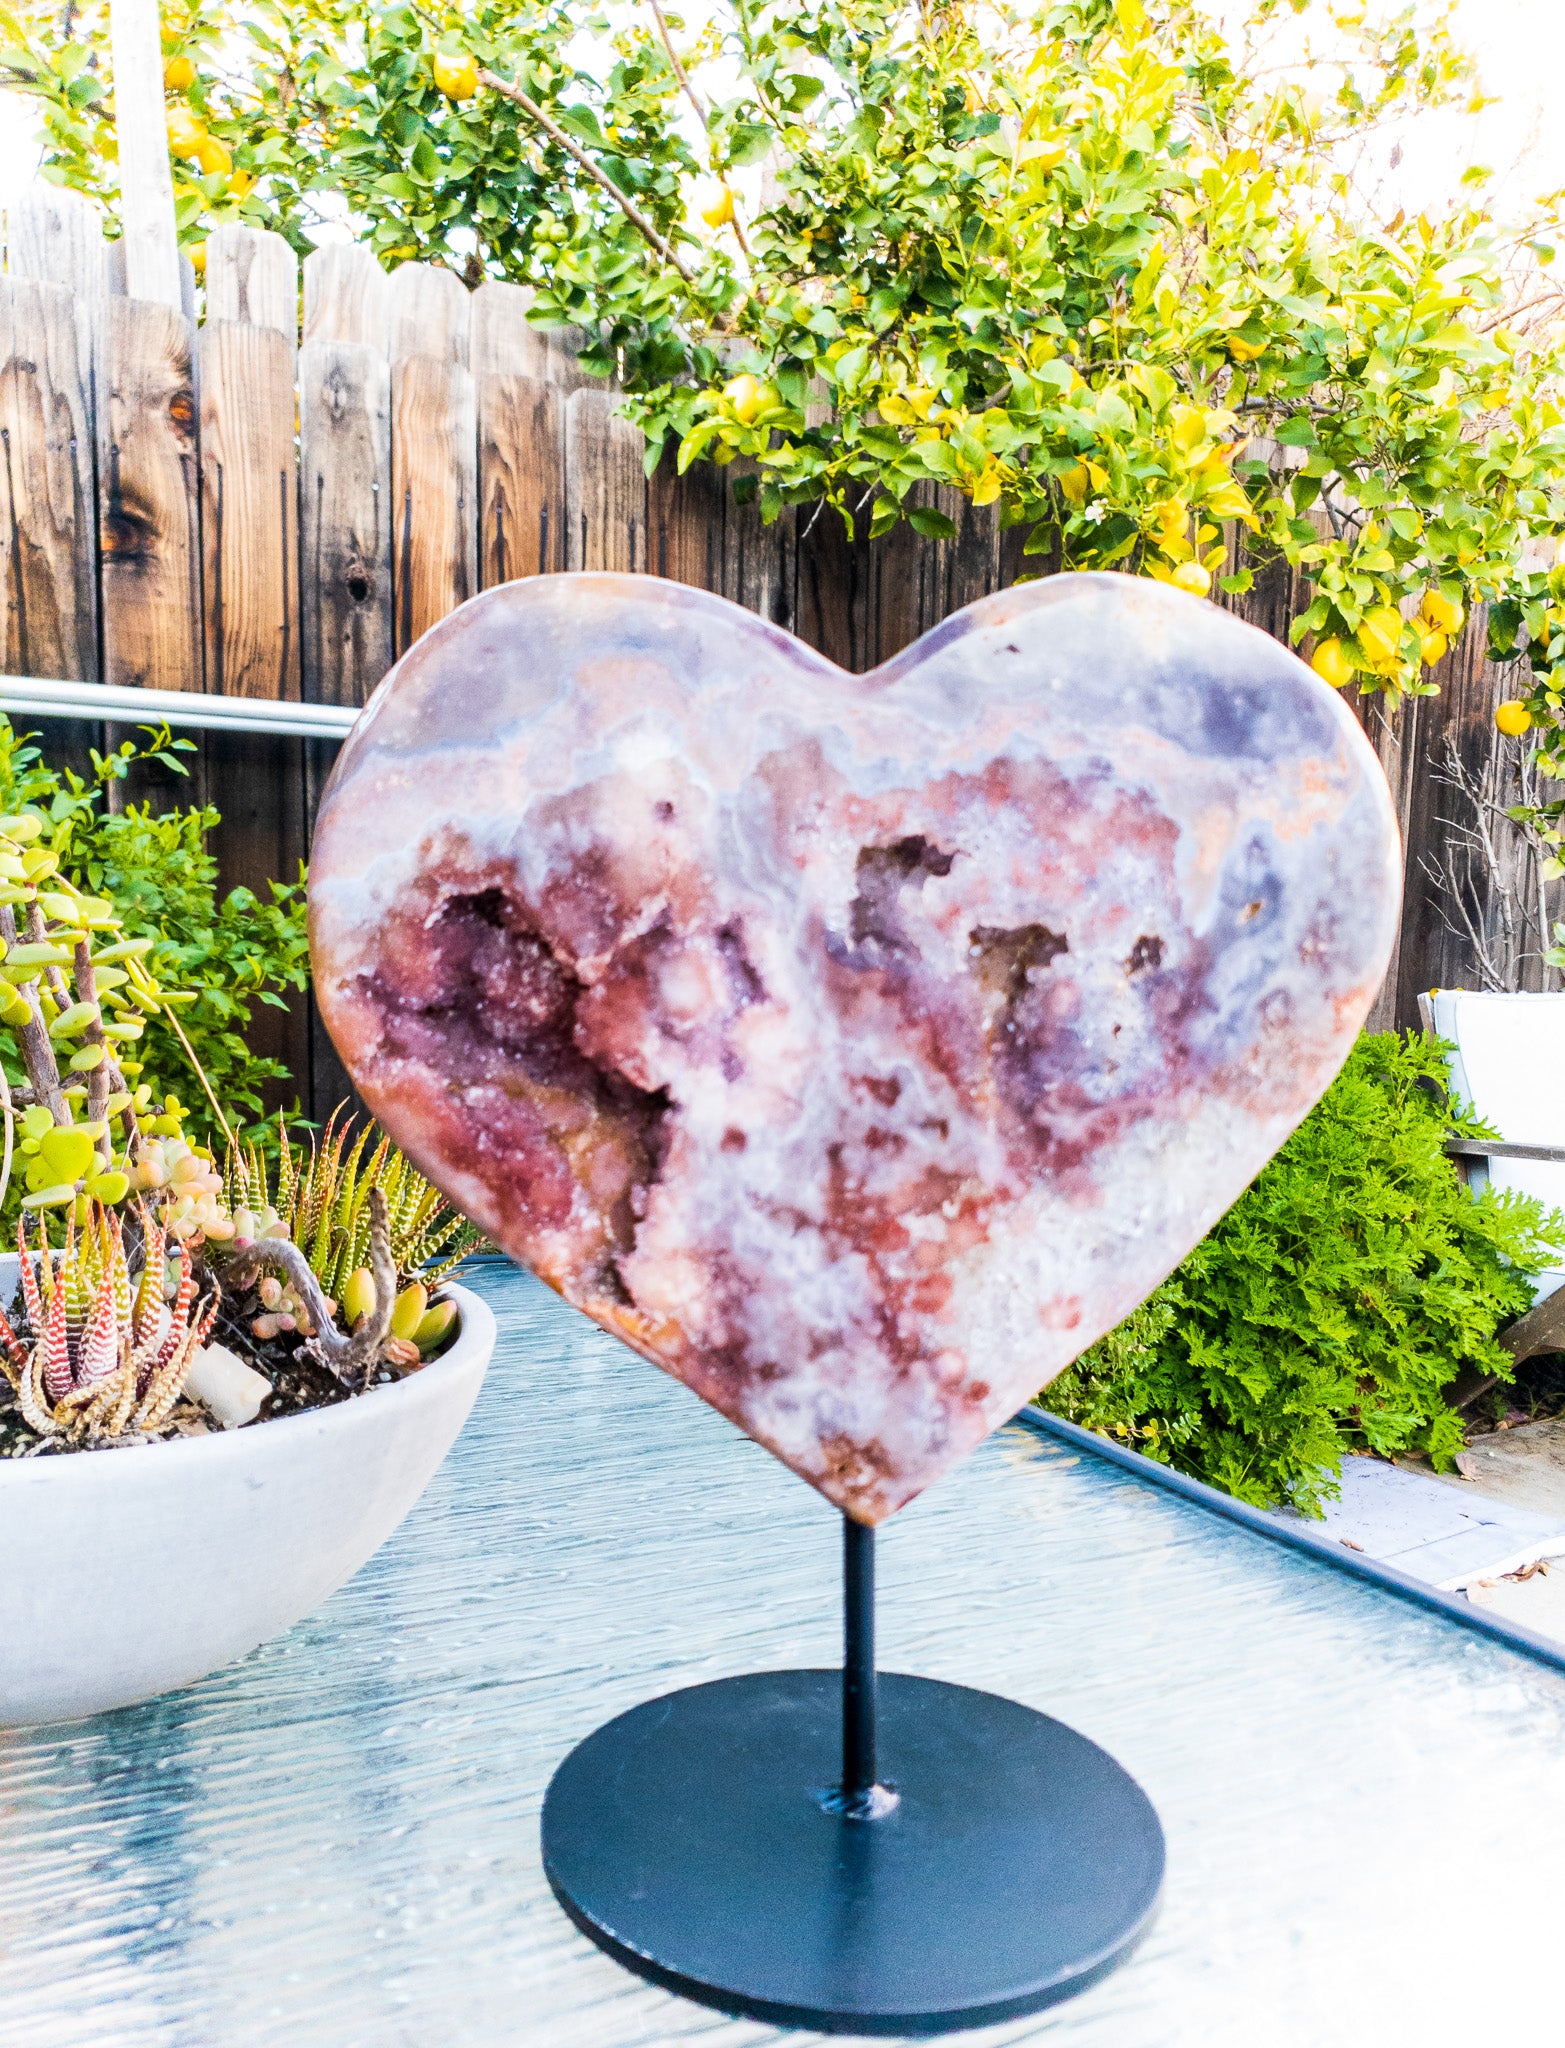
(858, 1048)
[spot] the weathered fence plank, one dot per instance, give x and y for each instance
(434, 481)
(687, 520)
(345, 491)
(521, 440)
(254, 612)
(429, 311)
(434, 450)
(55, 236)
(605, 486)
(252, 278)
(958, 570)
(834, 605)
(1429, 954)
(149, 499)
(47, 539)
(345, 297)
(249, 511)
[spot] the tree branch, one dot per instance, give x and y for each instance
(681, 75)
(556, 133)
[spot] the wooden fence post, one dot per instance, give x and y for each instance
(434, 449)
(151, 247)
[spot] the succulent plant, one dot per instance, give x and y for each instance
(351, 1359)
(107, 1356)
(321, 1200)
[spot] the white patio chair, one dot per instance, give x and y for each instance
(1509, 1067)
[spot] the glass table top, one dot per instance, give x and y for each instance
(334, 1842)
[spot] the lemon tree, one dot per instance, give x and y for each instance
(1090, 262)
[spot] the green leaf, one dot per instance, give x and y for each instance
(581, 122)
(425, 162)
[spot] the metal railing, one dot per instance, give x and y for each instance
(38, 697)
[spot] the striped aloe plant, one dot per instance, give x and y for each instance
(102, 1358)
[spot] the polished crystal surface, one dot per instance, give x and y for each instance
(334, 1844)
(858, 1048)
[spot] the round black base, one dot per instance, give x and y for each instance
(693, 1839)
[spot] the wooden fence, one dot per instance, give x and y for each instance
(272, 506)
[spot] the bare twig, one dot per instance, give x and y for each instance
(601, 178)
(1489, 887)
(349, 1358)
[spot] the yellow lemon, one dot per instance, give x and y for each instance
(179, 72)
(456, 74)
(1432, 647)
(1441, 613)
(1192, 577)
(1332, 663)
(1380, 635)
(1244, 351)
(749, 397)
(197, 254)
(721, 211)
(213, 157)
(1513, 718)
(241, 183)
(185, 133)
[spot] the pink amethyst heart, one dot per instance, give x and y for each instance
(857, 1048)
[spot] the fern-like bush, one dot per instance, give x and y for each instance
(1346, 1287)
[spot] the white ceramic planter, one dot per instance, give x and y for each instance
(130, 1572)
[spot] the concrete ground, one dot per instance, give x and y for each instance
(1524, 1465)
(1537, 1602)
(1525, 1468)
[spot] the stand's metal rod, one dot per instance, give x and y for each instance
(858, 1661)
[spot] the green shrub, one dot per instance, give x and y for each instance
(232, 952)
(1346, 1287)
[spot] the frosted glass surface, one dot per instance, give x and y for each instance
(334, 1843)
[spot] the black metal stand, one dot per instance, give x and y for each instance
(708, 1841)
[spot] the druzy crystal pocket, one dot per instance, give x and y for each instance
(857, 1048)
